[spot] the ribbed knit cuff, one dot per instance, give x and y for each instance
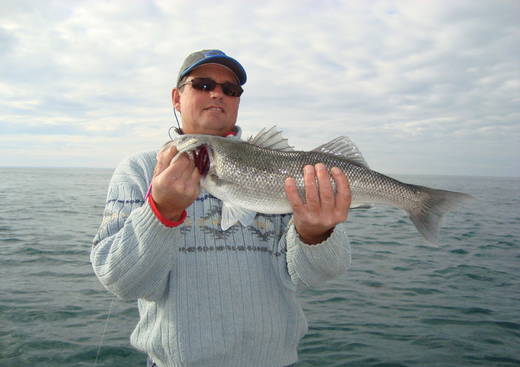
(336, 245)
(311, 264)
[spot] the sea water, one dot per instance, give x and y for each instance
(402, 303)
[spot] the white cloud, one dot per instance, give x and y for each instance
(388, 73)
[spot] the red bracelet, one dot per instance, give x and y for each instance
(163, 220)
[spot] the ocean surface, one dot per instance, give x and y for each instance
(403, 302)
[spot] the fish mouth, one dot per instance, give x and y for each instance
(201, 159)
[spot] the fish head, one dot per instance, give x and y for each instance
(198, 148)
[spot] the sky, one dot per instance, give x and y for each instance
(421, 87)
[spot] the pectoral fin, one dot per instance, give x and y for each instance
(232, 214)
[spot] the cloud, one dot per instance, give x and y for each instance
(396, 76)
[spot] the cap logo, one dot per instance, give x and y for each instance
(213, 53)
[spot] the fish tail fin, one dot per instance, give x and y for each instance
(427, 216)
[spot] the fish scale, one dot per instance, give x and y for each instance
(367, 186)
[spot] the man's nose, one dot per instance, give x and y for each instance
(217, 92)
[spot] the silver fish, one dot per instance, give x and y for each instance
(249, 178)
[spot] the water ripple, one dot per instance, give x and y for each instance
(403, 302)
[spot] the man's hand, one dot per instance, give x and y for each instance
(174, 185)
(315, 218)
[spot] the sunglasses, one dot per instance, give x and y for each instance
(208, 84)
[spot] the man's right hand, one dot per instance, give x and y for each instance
(174, 185)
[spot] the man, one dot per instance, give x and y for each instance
(209, 297)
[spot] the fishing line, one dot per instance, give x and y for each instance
(173, 127)
(104, 330)
(113, 297)
(170, 132)
(176, 119)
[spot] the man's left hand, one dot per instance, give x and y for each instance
(316, 217)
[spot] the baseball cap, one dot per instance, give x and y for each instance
(201, 57)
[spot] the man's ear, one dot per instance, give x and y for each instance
(176, 99)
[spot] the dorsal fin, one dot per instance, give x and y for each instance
(271, 139)
(344, 147)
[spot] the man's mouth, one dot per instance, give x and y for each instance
(214, 108)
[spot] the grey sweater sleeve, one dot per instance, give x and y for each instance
(310, 266)
(132, 251)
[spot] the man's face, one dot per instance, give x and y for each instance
(204, 112)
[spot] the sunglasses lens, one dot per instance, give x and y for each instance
(204, 84)
(232, 90)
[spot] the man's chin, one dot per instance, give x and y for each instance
(214, 128)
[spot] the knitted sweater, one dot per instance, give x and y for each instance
(208, 297)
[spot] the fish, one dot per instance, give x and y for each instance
(248, 177)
